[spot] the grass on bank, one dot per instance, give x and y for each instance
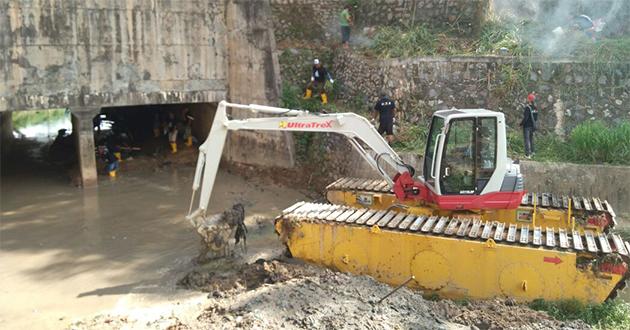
(613, 314)
(592, 142)
(494, 34)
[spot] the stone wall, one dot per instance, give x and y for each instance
(92, 53)
(317, 20)
(568, 92)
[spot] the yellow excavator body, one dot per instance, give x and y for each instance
(457, 258)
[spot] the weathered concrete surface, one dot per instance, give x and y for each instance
(78, 54)
(103, 53)
(607, 182)
(254, 76)
(82, 128)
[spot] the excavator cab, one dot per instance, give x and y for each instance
(466, 159)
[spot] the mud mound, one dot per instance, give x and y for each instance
(243, 277)
(323, 300)
(500, 314)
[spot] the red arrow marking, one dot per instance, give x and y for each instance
(554, 260)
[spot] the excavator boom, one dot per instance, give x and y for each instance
(361, 134)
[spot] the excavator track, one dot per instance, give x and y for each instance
(598, 260)
(591, 209)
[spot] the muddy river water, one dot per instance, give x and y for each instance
(68, 253)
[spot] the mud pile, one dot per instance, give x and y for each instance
(238, 278)
(283, 295)
(290, 295)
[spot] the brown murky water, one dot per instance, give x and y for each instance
(69, 253)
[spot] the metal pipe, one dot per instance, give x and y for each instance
(397, 288)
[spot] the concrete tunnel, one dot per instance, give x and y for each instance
(76, 156)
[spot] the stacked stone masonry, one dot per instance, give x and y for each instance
(568, 92)
(317, 20)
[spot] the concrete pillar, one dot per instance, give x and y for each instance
(254, 77)
(6, 127)
(82, 128)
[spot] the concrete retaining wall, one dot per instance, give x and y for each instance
(610, 183)
(606, 182)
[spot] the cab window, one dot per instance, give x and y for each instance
(487, 147)
(436, 128)
(457, 171)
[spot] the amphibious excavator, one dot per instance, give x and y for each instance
(465, 228)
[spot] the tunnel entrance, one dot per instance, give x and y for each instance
(44, 144)
(122, 135)
(38, 144)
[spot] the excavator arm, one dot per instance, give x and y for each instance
(361, 134)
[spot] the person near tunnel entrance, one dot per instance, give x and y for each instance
(172, 139)
(112, 162)
(188, 138)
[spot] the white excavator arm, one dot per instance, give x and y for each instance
(361, 134)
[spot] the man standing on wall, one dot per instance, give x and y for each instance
(345, 20)
(319, 76)
(530, 118)
(385, 111)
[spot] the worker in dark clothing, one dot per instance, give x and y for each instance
(530, 118)
(112, 162)
(319, 77)
(385, 112)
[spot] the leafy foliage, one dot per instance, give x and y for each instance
(609, 315)
(392, 41)
(591, 142)
(411, 138)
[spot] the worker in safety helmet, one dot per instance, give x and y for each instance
(319, 77)
(385, 112)
(530, 118)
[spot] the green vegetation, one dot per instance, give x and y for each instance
(494, 34)
(404, 42)
(293, 97)
(411, 138)
(592, 142)
(609, 315)
(22, 119)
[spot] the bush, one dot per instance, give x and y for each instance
(404, 42)
(496, 34)
(591, 142)
(595, 142)
(609, 315)
(411, 138)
